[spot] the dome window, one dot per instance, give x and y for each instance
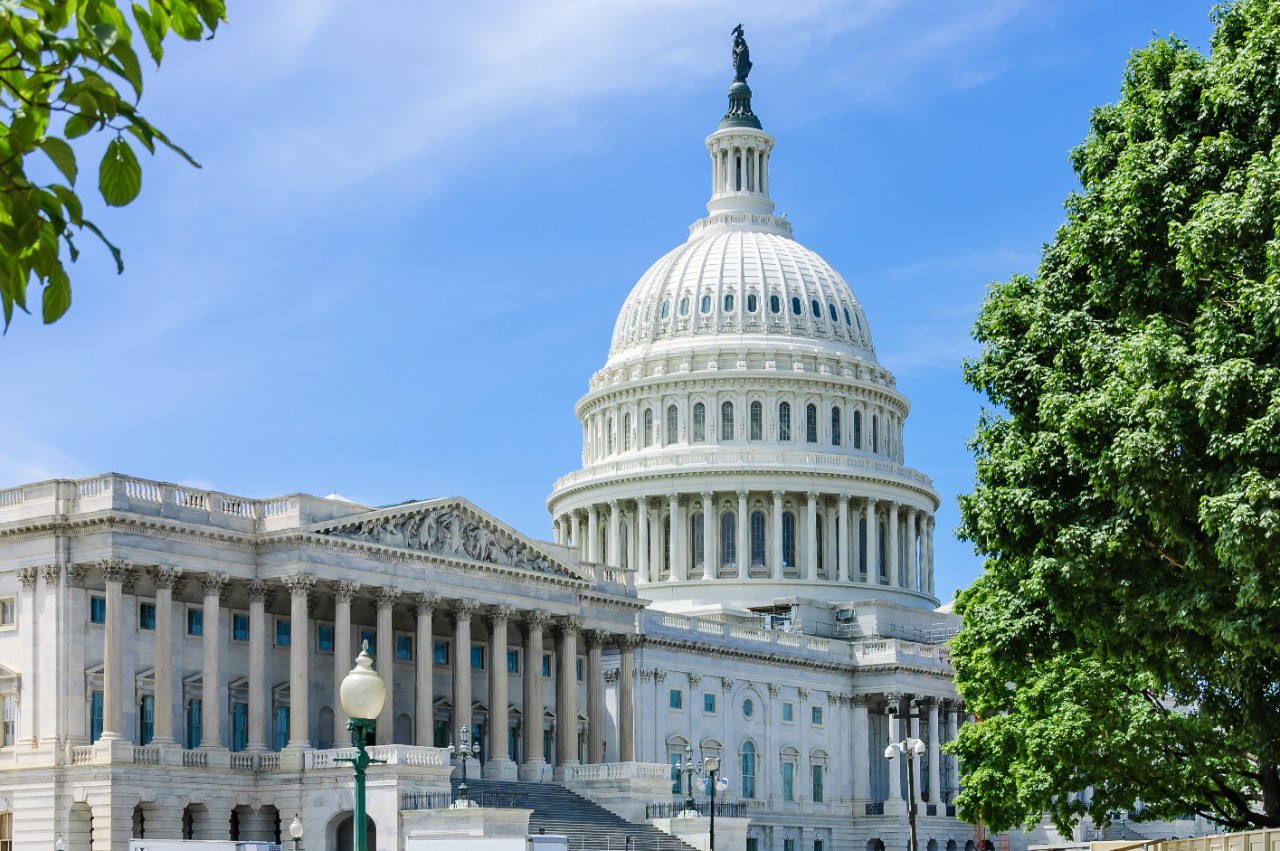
(775, 304)
(648, 312)
(847, 320)
(796, 309)
(626, 432)
(857, 429)
(831, 309)
(666, 309)
(758, 540)
(684, 306)
(673, 424)
(811, 423)
(835, 425)
(788, 539)
(728, 303)
(859, 321)
(647, 436)
(726, 420)
(757, 421)
(817, 309)
(699, 422)
(784, 421)
(706, 304)
(752, 303)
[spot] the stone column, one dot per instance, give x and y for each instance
(163, 578)
(299, 585)
(533, 767)
(891, 547)
(211, 694)
(499, 766)
(575, 526)
(257, 737)
(556, 531)
(935, 754)
(593, 533)
(894, 802)
(956, 717)
(776, 548)
(615, 534)
(595, 698)
(913, 565)
(744, 537)
(343, 659)
(567, 693)
(844, 541)
(462, 612)
(873, 542)
(915, 734)
(423, 671)
(386, 597)
(710, 537)
(114, 572)
(30, 653)
(642, 540)
(675, 568)
(929, 550)
(811, 536)
(627, 698)
(861, 753)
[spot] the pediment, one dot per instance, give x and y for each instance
(451, 528)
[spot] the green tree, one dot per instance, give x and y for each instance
(1125, 634)
(69, 68)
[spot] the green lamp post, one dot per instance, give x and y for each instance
(362, 694)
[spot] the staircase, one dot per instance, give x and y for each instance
(588, 826)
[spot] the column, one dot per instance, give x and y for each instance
(593, 533)
(114, 572)
(873, 542)
(913, 564)
(955, 712)
(499, 766)
(386, 597)
(557, 532)
(532, 699)
(257, 737)
(844, 541)
(595, 699)
(935, 755)
(615, 534)
(567, 692)
(744, 537)
(891, 547)
(299, 585)
(462, 612)
(211, 696)
(811, 537)
(894, 799)
(915, 734)
(675, 568)
(627, 698)
(30, 652)
(72, 690)
(710, 551)
(575, 526)
(163, 578)
(776, 548)
(343, 659)
(928, 544)
(861, 752)
(424, 698)
(642, 540)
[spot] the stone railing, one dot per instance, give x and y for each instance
(195, 759)
(611, 579)
(616, 771)
(82, 755)
(896, 651)
(146, 756)
(756, 637)
(390, 754)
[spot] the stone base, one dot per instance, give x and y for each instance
(731, 833)
(560, 772)
(501, 769)
(895, 807)
(113, 749)
(535, 771)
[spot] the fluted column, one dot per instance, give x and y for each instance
(595, 698)
(593, 533)
(499, 766)
(642, 540)
(300, 585)
(163, 578)
(956, 714)
(929, 550)
(676, 568)
(873, 542)
(710, 550)
(896, 727)
(776, 548)
(844, 541)
(935, 754)
(913, 566)
(257, 734)
(744, 537)
(567, 692)
(895, 576)
(386, 597)
(861, 750)
(211, 697)
(423, 687)
(627, 698)
(343, 659)
(811, 536)
(915, 733)
(532, 704)
(462, 612)
(615, 534)
(575, 526)
(114, 573)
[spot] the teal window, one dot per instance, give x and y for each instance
(684, 306)
(95, 716)
(282, 728)
(706, 304)
(147, 616)
(195, 621)
(324, 637)
(775, 304)
(675, 772)
(788, 781)
(283, 636)
(370, 638)
(239, 627)
(831, 311)
(817, 785)
(546, 664)
(857, 429)
(788, 712)
(796, 309)
(577, 669)
(146, 719)
(513, 661)
(817, 309)
(757, 537)
(404, 648)
(788, 539)
(440, 733)
(675, 698)
(477, 658)
(97, 610)
(440, 652)
(728, 303)
(817, 714)
(708, 702)
(194, 714)
(748, 708)
(875, 433)
(748, 770)
(239, 726)
(752, 303)
(847, 320)
(666, 309)
(788, 845)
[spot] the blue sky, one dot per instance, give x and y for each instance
(416, 222)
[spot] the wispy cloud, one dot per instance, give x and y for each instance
(24, 458)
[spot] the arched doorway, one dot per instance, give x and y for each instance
(345, 833)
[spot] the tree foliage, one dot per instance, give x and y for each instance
(1125, 634)
(70, 68)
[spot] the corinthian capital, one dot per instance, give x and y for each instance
(386, 596)
(115, 569)
(343, 591)
(299, 584)
(214, 583)
(163, 577)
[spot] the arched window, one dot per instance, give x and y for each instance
(757, 421)
(857, 429)
(796, 308)
(757, 538)
(673, 424)
(684, 306)
(706, 304)
(608, 434)
(875, 433)
(696, 538)
(666, 309)
(831, 311)
(784, 421)
(847, 321)
(817, 309)
(699, 422)
(647, 437)
(726, 421)
(775, 304)
(728, 303)
(752, 303)
(835, 425)
(811, 423)
(626, 431)
(788, 539)
(748, 770)
(729, 538)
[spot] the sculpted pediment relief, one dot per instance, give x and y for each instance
(450, 531)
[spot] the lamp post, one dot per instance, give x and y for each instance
(295, 833)
(713, 783)
(362, 695)
(911, 748)
(689, 768)
(465, 750)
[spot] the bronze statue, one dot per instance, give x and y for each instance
(741, 56)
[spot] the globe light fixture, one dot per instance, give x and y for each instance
(911, 748)
(295, 833)
(464, 751)
(714, 783)
(59, 845)
(362, 694)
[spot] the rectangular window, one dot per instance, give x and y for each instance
(577, 668)
(370, 638)
(8, 612)
(708, 703)
(788, 781)
(404, 648)
(546, 665)
(817, 844)
(788, 712)
(283, 635)
(146, 719)
(757, 421)
(784, 421)
(788, 844)
(753, 843)
(817, 715)
(440, 733)
(95, 716)
(324, 637)
(817, 784)
(193, 723)
(97, 609)
(440, 652)
(195, 620)
(477, 657)
(239, 626)
(282, 727)
(147, 616)
(676, 698)
(513, 661)
(239, 726)
(9, 732)
(675, 773)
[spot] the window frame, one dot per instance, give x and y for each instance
(397, 639)
(708, 703)
(193, 620)
(96, 600)
(276, 622)
(726, 420)
(248, 626)
(699, 422)
(811, 423)
(784, 421)
(142, 621)
(333, 637)
(675, 700)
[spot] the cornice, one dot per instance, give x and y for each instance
(111, 521)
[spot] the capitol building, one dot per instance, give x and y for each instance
(742, 567)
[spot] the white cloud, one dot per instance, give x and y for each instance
(24, 459)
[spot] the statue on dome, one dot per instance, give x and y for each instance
(741, 55)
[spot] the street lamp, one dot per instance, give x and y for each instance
(464, 751)
(295, 833)
(362, 694)
(713, 783)
(59, 845)
(689, 768)
(911, 748)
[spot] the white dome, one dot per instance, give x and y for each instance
(745, 280)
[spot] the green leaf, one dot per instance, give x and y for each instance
(62, 156)
(115, 252)
(151, 33)
(119, 175)
(106, 36)
(128, 65)
(70, 202)
(57, 296)
(77, 125)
